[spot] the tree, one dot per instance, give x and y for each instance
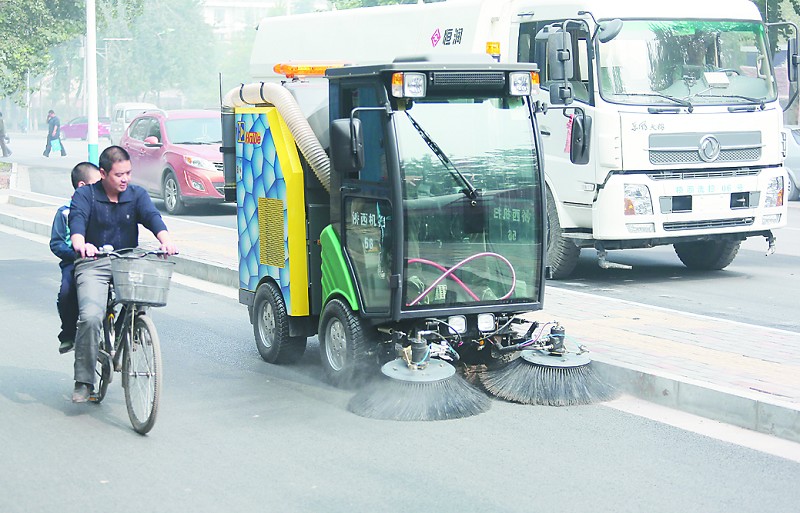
(31, 29)
(171, 48)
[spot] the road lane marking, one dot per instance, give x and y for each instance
(711, 428)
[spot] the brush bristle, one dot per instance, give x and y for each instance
(524, 382)
(391, 399)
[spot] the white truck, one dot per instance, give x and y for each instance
(664, 126)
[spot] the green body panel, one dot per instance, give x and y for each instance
(336, 279)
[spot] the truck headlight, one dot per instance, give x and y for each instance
(637, 200)
(775, 192)
(408, 85)
(519, 84)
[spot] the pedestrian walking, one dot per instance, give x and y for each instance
(53, 135)
(3, 146)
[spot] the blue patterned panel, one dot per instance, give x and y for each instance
(258, 175)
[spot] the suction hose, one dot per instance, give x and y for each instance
(282, 99)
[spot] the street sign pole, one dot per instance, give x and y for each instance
(91, 86)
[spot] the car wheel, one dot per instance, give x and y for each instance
(171, 192)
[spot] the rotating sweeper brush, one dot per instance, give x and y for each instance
(418, 387)
(547, 373)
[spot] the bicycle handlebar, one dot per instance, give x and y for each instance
(108, 251)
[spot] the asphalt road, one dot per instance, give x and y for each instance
(237, 434)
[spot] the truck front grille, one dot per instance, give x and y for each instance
(692, 175)
(709, 223)
(693, 157)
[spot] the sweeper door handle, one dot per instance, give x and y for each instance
(350, 189)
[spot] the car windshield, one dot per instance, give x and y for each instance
(194, 131)
(130, 114)
(670, 62)
(472, 203)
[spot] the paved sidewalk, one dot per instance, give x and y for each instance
(737, 373)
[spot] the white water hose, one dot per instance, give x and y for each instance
(278, 96)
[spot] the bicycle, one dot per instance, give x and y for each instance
(130, 343)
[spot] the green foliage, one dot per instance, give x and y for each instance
(31, 29)
(171, 49)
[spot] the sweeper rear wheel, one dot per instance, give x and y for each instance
(271, 327)
(346, 344)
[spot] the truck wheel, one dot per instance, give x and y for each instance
(708, 255)
(562, 253)
(271, 327)
(345, 344)
(171, 192)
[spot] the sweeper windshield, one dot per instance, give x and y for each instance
(472, 202)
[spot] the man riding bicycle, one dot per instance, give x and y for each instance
(106, 213)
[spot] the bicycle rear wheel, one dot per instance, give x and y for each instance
(141, 374)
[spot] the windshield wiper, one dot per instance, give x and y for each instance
(752, 101)
(469, 190)
(682, 103)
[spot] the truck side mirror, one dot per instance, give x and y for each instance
(559, 55)
(608, 30)
(347, 146)
(792, 60)
(560, 93)
(580, 137)
(559, 65)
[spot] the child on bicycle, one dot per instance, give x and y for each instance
(82, 174)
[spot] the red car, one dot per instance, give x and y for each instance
(176, 156)
(78, 128)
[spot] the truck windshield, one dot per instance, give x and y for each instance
(467, 249)
(654, 62)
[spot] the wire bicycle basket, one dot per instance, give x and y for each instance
(141, 280)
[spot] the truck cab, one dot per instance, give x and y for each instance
(668, 129)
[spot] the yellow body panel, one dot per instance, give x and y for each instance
(295, 221)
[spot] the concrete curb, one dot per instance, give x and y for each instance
(751, 411)
(757, 412)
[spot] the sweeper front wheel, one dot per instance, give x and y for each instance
(271, 327)
(346, 344)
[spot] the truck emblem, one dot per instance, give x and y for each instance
(709, 148)
(436, 37)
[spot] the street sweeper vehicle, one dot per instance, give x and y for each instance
(407, 232)
(674, 132)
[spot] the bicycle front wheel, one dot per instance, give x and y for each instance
(141, 374)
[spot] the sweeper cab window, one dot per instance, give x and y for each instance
(471, 201)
